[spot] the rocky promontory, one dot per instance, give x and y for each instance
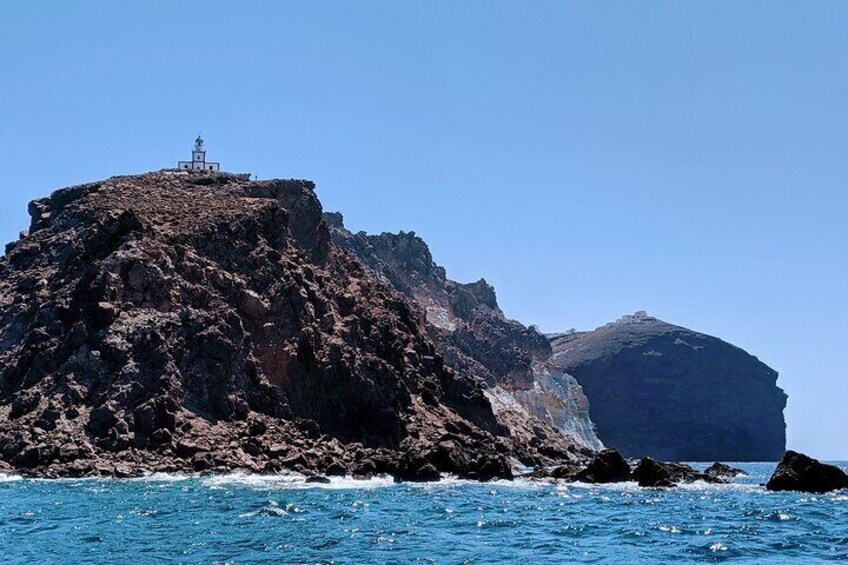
(666, 391)
(203, 322)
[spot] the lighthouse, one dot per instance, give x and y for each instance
(198, 159)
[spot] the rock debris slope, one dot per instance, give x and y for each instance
(174, 321)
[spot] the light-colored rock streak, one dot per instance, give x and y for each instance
(557, 398)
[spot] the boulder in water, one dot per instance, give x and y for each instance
(799, 472)
(608, 466)
(652, 473)
(721, 473)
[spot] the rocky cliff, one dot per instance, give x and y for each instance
(512, 361)
(672, 393)
(175, 321)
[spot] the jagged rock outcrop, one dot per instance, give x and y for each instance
(608, 466)
(799, 472)
(718, 472)
(652, 473)
(177, 322)
(659, 389)
(473, 335)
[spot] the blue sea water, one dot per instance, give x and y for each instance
(250, 519)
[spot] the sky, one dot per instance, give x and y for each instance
(589, 159)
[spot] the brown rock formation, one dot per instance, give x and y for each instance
(512, 361)
(180, 322)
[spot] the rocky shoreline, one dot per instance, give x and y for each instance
(796, 472)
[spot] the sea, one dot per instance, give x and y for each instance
(283, 519)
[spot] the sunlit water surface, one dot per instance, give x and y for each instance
(243, 519)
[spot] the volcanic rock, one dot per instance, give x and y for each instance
(659, 389)
(719, 472)
(608, 466)
(652, 473)
(511, 360)
(179, 321)
(799, 472)
(562, 472)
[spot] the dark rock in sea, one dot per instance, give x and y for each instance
(652, 473)
(608, 466)
(659, 389)
(318, 479)
(562, 472)
(415, 468)
(798, 472)
(720, 472)
(205, 323)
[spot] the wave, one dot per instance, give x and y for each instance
(292, 481)
(450, 481)
(633, 486)
(164, 477)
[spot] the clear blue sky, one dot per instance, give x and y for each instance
(589, 159)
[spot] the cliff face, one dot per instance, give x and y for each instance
(175, 321)
(665, 391)
(472, 333)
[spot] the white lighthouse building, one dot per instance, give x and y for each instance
(198, 159)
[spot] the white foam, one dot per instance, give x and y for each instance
(163, 477)
(718, 547)
(292, 481)
(705, 486)
(449, 481)
(272, 509)
(614, 487)
(633, 486)
(151, 477)
(4, 478)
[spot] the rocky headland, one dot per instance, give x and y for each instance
(656, 389)
(203, 322)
